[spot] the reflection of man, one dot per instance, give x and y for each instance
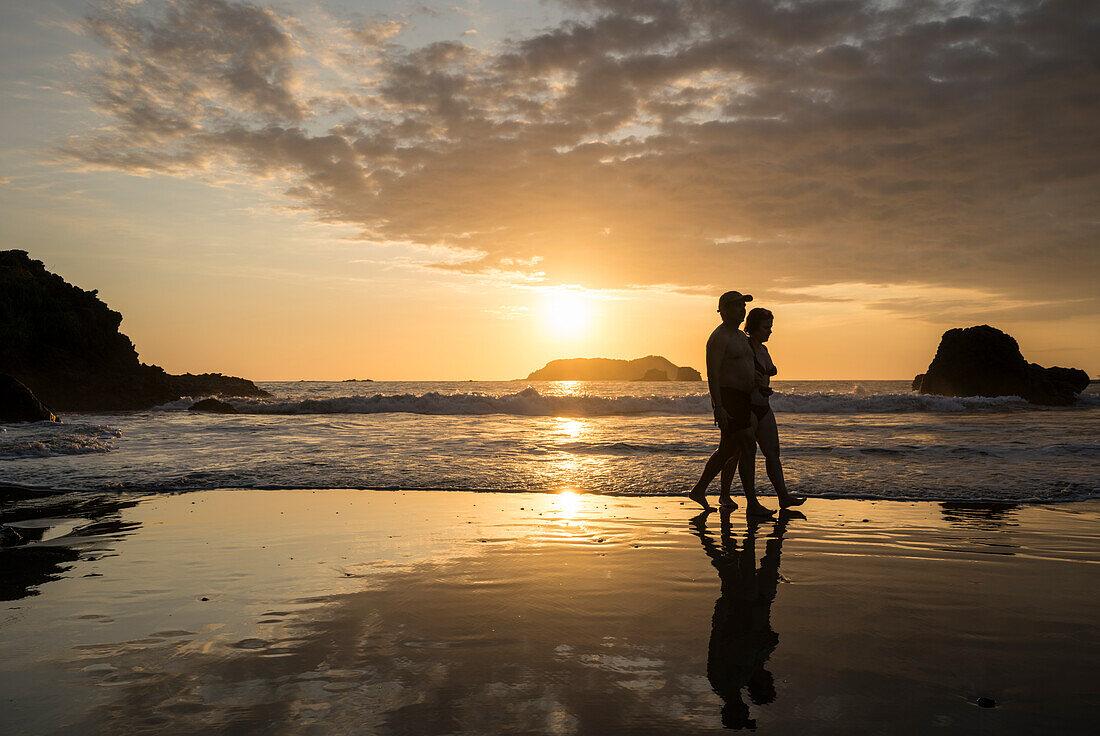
(730, 378)
(741, 637)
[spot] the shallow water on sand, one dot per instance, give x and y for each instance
(436, 613)
(872, 439)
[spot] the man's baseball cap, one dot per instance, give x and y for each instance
(731, 297)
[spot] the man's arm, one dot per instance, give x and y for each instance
(716, 349)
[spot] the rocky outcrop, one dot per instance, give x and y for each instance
(215, 406)
(63, 343)
(209, 384)
(607, 369)
(18, 404)
(654, 374)
(983, 361)
(685, 373)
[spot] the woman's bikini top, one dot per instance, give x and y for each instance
(760, 366)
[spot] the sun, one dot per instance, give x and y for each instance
(567, 313)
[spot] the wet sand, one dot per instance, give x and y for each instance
(474, 613)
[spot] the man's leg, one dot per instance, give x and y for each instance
(746, 467)
(727, 449)
(725, 500)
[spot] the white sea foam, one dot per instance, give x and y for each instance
(861, 403)
(181, 404)
(529, 402)
(48, 439)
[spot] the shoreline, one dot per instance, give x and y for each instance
(12, 492)
(398, 612)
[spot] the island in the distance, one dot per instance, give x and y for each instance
(649, 368)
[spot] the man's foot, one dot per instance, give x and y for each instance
(758, 509)
(788, 501)
(700, 497)
(725, 502)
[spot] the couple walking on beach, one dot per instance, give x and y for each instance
(739, 370)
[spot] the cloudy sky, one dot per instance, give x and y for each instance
(333, 189)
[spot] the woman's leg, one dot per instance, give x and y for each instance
(747, 467)
(767, 436)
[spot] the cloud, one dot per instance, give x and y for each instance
(949, 143)
(378, 32)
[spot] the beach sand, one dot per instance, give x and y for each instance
(327, 612)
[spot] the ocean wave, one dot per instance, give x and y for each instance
(632, 448)
(529, 402)
(828, 403)
(49, 439)
(1088, 400)
(947, 452)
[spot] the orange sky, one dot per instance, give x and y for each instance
(408, 191)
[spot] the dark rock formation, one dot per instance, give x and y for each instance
(605, 369)
(23, 569)
(206, 384)
(63, 343)
(983, 361)
(18, 404)
(215, 406)
(9, 537)
(26, 562)
(685, 373)
(654, 374)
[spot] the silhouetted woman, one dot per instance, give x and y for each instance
(758, 326)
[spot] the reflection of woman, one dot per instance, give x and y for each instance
(741, 637)
(758, 326)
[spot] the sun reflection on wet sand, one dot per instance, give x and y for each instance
(391, 612)
(570, 504)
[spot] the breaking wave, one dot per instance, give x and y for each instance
(48, 439)
(529, 402)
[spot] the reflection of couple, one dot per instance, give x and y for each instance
(739, 370)
(742, 638)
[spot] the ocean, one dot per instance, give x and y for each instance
(840, 439)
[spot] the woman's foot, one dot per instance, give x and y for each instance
(788, 501)
(700, 497)
(725, 502)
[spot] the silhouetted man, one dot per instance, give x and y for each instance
(730, 377)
